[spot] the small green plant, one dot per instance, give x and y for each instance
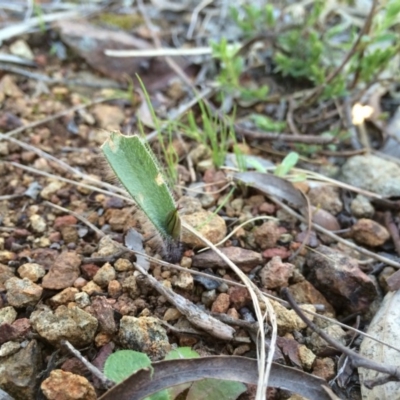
(232, 66)
(306, 51)
(287, 164)
(267, 124)
(213, 132)
(252, 18)
(123, 363)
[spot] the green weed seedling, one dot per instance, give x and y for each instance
(123, 363)
(307, 51)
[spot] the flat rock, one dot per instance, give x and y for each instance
(209, 225)
(144, 334)
(19, 372)
(131, 286)
(63, 272)
(243, 258)
(51, 188)
(340, 279)
(64, 297)
(325, 368)
(38, 223)
(109, 117)
(72, 324)
(372, 173)
(22, 292)
(305, 293)
(78, 387)
(9, 348)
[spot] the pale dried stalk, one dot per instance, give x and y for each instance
(264, 363)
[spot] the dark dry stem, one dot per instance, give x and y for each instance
(393, 230)
(357, 360)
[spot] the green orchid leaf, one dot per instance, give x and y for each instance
(136, 167)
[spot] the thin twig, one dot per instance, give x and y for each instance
(393, 230)
(70, 181)
(56, 116)
(94, 228)
(336, 237)
(356, 359)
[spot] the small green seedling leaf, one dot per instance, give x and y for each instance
(136, 167)
(123, 363)
(182, 352)
(287, 164)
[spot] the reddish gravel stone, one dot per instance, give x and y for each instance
(65, 220)
(221, 303)
(89, 270)
(267, 234)
(63, 272)
(239, 296)
(281, 252)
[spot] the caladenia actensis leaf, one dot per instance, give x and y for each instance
(136, 167)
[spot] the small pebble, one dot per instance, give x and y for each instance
(122, 265)
(31, 271)
(7, 315)
(78, 387)
(38, 223)
(82, 299)
(114, 289)
(208, 297)
(361, 207)
(22, 292)
(221, 303)
(104, 275)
